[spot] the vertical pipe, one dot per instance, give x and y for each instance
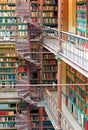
(40, 60)
(41, 12)
(59, 61)
(29, 117)
(59, 13)
(28, 72)
(58, 58)
(40, 47)
(59, 82)
(29, 49)
(59, 104)
(40, 118)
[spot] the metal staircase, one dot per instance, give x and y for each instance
(35, 95)
(30, 95)
(23, 9)
(23, 45)
(23, 122)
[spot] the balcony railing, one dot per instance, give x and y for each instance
(51, 109)
(70, 46)
(54, 114)
(8, 92)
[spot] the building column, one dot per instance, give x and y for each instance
(59, 104)
(59, 83)
(59, 77)
(40, 118)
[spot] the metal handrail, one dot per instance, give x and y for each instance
(61, 31)
(58, 111)
(72, 47)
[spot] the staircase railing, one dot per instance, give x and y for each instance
(24, 44)
(22, 9)
(22, 122)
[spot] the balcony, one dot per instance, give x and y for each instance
(73, 49)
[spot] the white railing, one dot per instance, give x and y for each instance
(8, 95)
(8, 91)
(70, 46)
(57, 117)
(51, 108)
